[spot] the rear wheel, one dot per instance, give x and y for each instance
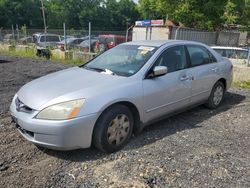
(216, 96)
(113, 129)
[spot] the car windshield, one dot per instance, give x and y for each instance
(123, 60)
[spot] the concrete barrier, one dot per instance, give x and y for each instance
(85, 56)
(58, 54)
(6, 47)
(241, 73)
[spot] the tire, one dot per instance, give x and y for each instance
(113, 129)
(216, 96)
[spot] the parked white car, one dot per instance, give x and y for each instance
(235, 54)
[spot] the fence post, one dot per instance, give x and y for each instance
(128, 31)
(176, 32)
(13, 34)
(248, 58)
(150, 33)
(17, 30)
(89, 37)
(25, 33)
(64, 33)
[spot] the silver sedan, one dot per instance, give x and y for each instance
(119, 92)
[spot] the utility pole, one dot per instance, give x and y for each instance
(89, 37)
(44, 20)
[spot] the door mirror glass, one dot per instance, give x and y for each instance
(159, 71)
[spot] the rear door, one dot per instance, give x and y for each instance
(204, 72)
(169, 92)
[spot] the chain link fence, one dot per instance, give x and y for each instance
(84, 43)
(58, 42)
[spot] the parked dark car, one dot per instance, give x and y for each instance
(106, 42)
(84, 45)
(70, 42)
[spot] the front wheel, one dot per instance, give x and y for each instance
(113, 129)
(216, 96)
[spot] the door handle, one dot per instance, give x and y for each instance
(183, 78)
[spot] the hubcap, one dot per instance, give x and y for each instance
(118, 129)
(218, 94)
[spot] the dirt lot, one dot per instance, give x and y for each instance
(198, 148)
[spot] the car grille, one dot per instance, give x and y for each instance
(21, 107)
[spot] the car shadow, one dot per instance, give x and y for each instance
(190, 119)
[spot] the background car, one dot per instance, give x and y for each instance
(46, 40)
(71, 43)
(235, 54)
(84, 45)
(106, 42)
(44, 43)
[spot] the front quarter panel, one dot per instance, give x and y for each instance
(98, 101)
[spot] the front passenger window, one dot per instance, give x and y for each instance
(173, 58)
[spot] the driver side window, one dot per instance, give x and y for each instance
(174, 58)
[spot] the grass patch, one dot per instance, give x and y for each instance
(30, 53)
(242, 84)
(69, 61)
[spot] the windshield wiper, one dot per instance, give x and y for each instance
(108, 71)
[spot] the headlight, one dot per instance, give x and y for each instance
(61, 111)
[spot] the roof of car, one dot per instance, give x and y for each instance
(228, 47)
(47, 34)
(158, 43)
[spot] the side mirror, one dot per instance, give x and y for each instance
(160, 70)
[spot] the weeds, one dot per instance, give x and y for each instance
(242, 84)
(30, 53)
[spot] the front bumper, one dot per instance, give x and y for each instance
(60, 135)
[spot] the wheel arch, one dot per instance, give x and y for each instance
(134, 110)
(224, 81)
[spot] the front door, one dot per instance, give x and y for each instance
(171, 91)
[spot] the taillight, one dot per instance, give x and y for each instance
(111, 45)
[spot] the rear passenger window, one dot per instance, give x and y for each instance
(200, 55)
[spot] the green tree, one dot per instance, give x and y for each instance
(20, 12)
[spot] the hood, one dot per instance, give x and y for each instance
(42, 90)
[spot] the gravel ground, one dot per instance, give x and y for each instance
(198, 148)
